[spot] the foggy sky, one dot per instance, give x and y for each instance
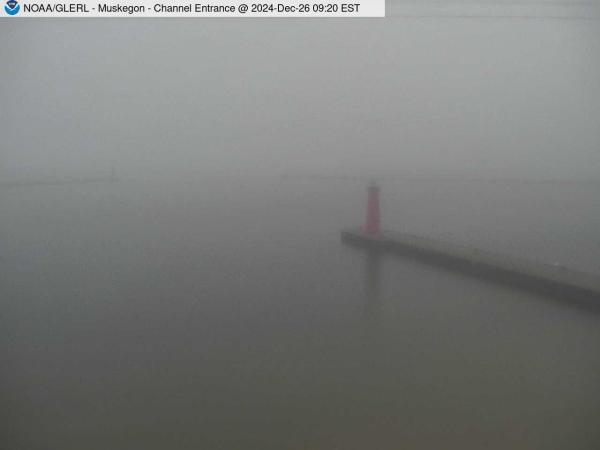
(418, 96)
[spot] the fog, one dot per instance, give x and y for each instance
(499, 98)
(171, 198)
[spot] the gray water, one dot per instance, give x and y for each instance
(222, 314)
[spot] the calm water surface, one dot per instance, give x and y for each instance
(217, 315)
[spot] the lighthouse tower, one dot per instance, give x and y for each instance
(372, 221)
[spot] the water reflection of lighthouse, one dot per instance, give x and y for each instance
(372, 306)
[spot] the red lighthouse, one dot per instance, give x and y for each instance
(372, 221)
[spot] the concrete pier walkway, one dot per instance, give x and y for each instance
(549, 279)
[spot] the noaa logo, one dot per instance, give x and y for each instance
(12, 7)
